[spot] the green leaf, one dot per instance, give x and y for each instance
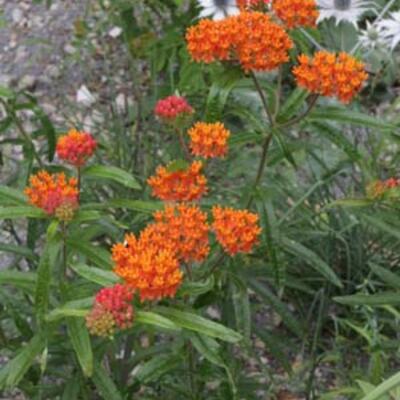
(194, 322)
(21, 212)
(382, 226)
(22, 280)
(64, 312)
(384, 388)
(238, 139)
(80, 340)
(197, 288)
(345, 115)
(241, 305)
(47, 128)
(137, 205)
(86, 216)
(340, 140)
(158, 366)
(14, 371)
(350, 203)
(378, 299)
(6, 92)
(386, 275)
(150, 318)
(312, 259)
(104, 384)
(11, 197)
(96, 275)
(219, 92)
(209, 349)
(111, 173)
(74, 308)
(295, 100)
(96, 254)
(43, 282)
(19, 250)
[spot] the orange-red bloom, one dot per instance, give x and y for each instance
(252, 38)
(172, 107)
(378, 189)
(149, 266)
(209, 140)
(55, 194)
(112, 308)
(186, 227)
(331, 75)
(179, 185)
(296, 13)
(76, 147)
(236, 230)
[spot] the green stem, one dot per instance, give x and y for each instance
(278, 93)
(261, 167)
(263, 98)
(79, 176)
(63, 275)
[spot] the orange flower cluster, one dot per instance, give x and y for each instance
(148, 265)
(55, 194)
(209, 140)
(296, 13)
(236, 230)
(331, 75)
(252, 38)
(76, 147)
(179, 185)
(112, 308)
(378, 189)
(187, 228)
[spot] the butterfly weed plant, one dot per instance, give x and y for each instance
(233, 235)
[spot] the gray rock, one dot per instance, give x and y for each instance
(17, 15)
(27, 82)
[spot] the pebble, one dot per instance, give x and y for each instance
(27, 82)
(17, 15)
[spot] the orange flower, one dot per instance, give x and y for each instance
(150, 267)
(209, 140)
(54, 194)
(179, 185)
(112, 307)
(252, 38)
(378, 189)
(186, 227)
(331, 75)
(237, 231)
(76, 147)
(296, 13)
(210, 41)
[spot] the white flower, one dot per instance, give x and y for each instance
(372, 37)
(218, 9)
(391, 29)
(344, 10)
(85, 97)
